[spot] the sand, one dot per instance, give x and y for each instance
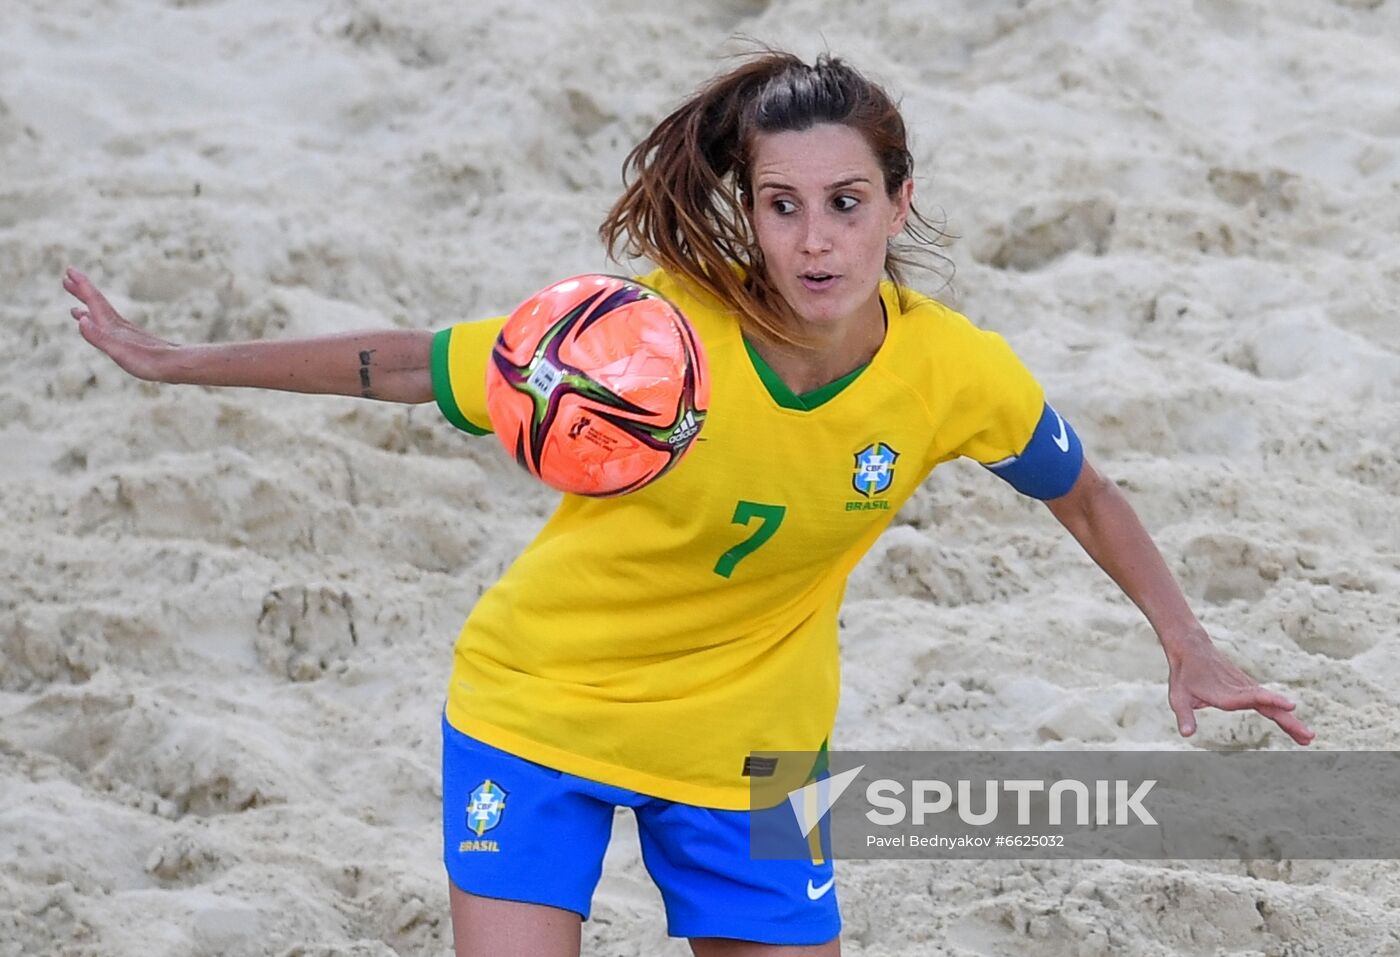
(226, 618)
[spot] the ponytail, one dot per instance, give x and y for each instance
(682, 206)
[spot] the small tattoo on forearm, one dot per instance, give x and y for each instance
(366, 388)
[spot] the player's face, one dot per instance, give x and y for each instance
(823, 218)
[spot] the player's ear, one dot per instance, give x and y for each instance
(903, 199)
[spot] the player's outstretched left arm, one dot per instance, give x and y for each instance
(1096, 513)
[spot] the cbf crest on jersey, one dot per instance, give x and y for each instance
(874, 469)
(485, 806)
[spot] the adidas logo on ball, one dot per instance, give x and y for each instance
(685, 430)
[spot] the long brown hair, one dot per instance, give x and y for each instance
(687, 183)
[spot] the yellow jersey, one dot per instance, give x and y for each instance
(654, 640)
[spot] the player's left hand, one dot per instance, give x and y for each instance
(1202, 677)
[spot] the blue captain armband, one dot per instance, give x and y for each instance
(1050, 463)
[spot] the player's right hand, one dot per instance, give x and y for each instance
(128, 345)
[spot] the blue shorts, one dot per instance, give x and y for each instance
(519, 831)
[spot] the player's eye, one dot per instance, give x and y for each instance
(784, 206)
(844, 203)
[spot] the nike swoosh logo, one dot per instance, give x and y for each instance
(817, 893)
(1061, 440)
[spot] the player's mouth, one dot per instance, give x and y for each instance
(817, 281)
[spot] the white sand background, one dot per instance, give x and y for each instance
(226, 618)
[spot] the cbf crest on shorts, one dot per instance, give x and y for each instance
(485, 806)
(874, 469)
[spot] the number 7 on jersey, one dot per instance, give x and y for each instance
(769, 518)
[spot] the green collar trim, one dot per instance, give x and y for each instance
(785, 397)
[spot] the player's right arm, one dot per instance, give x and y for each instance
(392, 364)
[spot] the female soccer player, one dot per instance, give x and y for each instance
(771, 201)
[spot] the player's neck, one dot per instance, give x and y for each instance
(835, 352)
